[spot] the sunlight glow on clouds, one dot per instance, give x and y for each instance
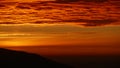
(89, 14)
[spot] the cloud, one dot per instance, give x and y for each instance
(84, 22)
(99, 22)
(39, 29)
(99, 1)
(66, 1)
(93, 22)
(23, 6)
(8, 23)
(51, 12)
(2, 5)
(72, 1)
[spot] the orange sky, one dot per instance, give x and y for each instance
(64, 34)
(58, 24)
(56, 20)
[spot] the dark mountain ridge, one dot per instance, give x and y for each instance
(10, 58)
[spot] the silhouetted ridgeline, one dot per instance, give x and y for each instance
(10, 58)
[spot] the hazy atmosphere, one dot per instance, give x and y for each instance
(61, 27)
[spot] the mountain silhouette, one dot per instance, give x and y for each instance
(11, 58)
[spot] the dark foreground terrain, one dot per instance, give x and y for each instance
(90, 61)
(10, 58)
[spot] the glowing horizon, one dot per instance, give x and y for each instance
(58, 35)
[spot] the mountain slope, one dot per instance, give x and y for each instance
(9, 58)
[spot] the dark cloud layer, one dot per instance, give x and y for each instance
(69, 1)
(99, 22)
(84, 22)
(56, 12)
(66, 1)
(93, 22)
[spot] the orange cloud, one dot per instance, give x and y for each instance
(52, 12)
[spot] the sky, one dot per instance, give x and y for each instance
(58, 23)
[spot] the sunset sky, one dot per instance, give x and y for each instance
(58, 23)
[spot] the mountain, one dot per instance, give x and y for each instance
(10, 58)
